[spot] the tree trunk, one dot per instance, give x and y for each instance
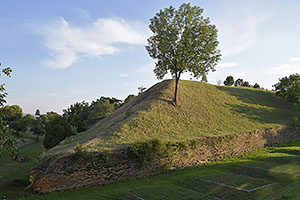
(176, 90)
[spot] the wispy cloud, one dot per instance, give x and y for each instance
(239, 74)
(68, 43)
(239, 28)
(284, 69)
(228, 64)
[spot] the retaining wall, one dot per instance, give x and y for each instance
(100, 168)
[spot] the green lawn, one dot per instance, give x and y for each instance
(270, 173)
(14, 176)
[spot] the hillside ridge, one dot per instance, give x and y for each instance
(203, 110)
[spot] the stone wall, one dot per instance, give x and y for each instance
(99, 168)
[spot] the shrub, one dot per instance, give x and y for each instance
(145, 152)
(295, 121)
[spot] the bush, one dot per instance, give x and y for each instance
(145, 152)
(57, 129)
(295, 121)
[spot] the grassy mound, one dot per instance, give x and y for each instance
(202, 110)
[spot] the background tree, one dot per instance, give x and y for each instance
(7, 142)
(57, 129)
(102, 107)
(246, 84)
(183, 40)
(289, 88)
(14, 116)
(38, 128)
(37, 112)
(141, 89)
(13, 112)
(256, 85)
(229, 81)
(239, 82)
(77, 115)
(128, 98)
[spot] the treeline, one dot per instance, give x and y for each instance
(53, 127)
(229, 81)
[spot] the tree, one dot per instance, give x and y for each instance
(256, 85)
(229, 81)
(57, 129)
(14, 116)
(13, 112)
(7, 142)
(77, 115)
(289, 88)
(141, 89)
(239, 82)
(38, 128)
(246, 84)
(183, 40)
(128, 98)
(101, 108)
(37, 112)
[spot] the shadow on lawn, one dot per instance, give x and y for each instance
(262, 106)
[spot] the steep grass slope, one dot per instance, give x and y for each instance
(202, 110)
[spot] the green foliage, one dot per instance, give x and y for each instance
(239, 82)
(57, 129)
(128, 98)
(229, 81)
(102, 107)
(13, 112)
(256, 85)
(82, 115)
(7, 142)
(79, 150)
(14, 116)
(289, 88)
(7, 145)
(145, 152)
(295, 121)
(183, 40)
(77, 115)
(141, 89)
(38, 128)
(246, 84)
(37, 112)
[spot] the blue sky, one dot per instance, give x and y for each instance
(64, 51)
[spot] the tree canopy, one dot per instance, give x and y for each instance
(183, 40)
(289, 88)
(7, 142)
(229, 81)
(57, 129)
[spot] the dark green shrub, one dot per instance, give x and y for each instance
(145, 152)
(295, 121)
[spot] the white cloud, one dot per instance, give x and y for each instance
(284, 69)
(68, 43)
(227, 64)
(297, 59)
(239, 29)
(239, 74)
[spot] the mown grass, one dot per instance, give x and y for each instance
(14, 175)
(249, 171)
(203, 110)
